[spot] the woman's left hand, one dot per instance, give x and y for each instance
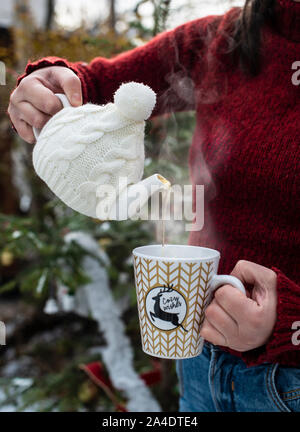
(239, 322)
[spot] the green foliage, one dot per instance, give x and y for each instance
(66, 391)
(161, 9)
(161, 12)
(60, 392)
(77, 45)
(44, 258)
(36, 244)
(34, 257)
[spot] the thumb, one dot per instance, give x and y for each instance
(262, 279)
(69, 82)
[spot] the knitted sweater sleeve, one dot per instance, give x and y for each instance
(283, 346)
(165, 63)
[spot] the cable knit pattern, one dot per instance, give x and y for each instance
(81, 149)
(245, 147)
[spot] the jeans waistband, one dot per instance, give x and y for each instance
(211, 347)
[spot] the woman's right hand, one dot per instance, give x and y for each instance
(34, 102)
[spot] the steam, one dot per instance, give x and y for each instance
(182, 92)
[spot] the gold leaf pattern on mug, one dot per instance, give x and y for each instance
(191, 280)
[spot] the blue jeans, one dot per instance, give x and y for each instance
(218, 381)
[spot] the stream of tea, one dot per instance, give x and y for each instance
(164, 207)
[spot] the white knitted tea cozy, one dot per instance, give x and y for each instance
(79, 149)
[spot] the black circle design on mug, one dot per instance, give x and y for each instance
(166, 308)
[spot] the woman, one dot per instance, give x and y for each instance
(239, 73)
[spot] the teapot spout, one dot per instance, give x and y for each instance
(135, 196)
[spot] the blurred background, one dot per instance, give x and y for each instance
(67, 295)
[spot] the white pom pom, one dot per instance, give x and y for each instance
(135, 100)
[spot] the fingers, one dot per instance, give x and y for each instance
(39, 96)
(240, 322)
(23, 129)
(220, 319)
(235, 303)
(263, 279)
(32, 116)
(69, 82)
(33, 102)
(24, 116)
(222, 323)
(211, 334)
(246, 271)
(252, 273)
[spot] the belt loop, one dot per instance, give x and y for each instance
(213, 348)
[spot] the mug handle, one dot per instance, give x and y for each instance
(219, 280)
(65, 103)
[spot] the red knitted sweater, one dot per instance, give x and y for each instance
(245, 148)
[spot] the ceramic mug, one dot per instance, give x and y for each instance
(174, 285)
